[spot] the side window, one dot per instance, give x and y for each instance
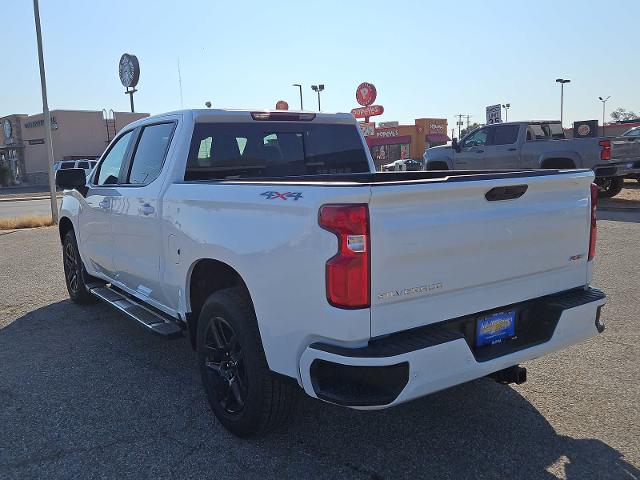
(109, 169)
(505, 134)
(150, 153)
(477, 139)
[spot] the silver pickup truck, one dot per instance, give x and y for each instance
(539, 144)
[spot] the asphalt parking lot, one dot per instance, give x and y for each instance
(85, 393)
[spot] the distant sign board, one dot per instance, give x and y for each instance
(494, 114)
(388, 124)
(366, 94)
(585, 129)
(368, 128)
(366, 112)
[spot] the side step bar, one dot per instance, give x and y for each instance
(145, 317)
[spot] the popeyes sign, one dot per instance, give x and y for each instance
(366, 112)
(366, 94)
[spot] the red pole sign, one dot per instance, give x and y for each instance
(366, 112)
(366, 94)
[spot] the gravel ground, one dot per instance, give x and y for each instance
(85, 393)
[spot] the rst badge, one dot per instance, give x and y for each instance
(282, 196)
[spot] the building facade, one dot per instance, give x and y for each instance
(390, 141)
(75, 135)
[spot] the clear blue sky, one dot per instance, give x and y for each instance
(427, 59)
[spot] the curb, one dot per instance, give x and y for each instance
(26, 199)
(618, 209)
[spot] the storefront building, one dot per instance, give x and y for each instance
(75, 135)
(390, 141)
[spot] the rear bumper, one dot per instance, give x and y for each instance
(617, 169)
(411, 364)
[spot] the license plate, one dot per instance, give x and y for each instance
(495, 328)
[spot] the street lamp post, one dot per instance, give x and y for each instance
(506, 107)
(47, 115)
(604, 102)
(562, 81)
(299, 87)
(318, 89)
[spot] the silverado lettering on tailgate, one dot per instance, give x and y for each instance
(411, 291)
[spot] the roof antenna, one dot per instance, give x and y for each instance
(180, 83)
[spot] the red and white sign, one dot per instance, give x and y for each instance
(282, 105)
(366, 94)
(387, 132)
(368, 128)
(366, 112)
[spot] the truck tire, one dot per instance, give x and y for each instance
(74, 273)
(245, 396)
(609, 186)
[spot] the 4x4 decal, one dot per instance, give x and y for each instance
(282, 196)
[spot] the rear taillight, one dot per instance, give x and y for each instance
(594, 229)
(605, 152)
(347, 273)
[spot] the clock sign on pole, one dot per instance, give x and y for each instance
(129, 71)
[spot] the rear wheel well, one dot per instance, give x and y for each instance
(559, 163)
(209, 276)
(64, 225)
(437, 165)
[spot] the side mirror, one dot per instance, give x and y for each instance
(72, 179)
(455, 145)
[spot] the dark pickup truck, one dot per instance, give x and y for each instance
(539, 144)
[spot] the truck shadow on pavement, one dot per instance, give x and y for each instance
(83, 392)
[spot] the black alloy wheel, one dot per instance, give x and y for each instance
(225, 365)
(74, 273)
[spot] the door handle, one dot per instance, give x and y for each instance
(104, 203)
(479, 151)
(512, 149)
(146, 209)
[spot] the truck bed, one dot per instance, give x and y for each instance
(391, 178)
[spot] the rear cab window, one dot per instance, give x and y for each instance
(274, 149)
(505, 134)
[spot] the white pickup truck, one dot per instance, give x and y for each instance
(268, 240)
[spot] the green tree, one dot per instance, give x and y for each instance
(621, 115)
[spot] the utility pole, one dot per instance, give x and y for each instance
(47, 115)
(300, 88)
(318, 89)
(604, 102)
(562, 81)
(459, 123)
(468, 121)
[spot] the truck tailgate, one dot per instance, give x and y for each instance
(625, 149)
(442, 250)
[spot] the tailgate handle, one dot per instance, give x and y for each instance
(506, 193)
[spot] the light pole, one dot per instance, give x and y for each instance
(562, 81)
(506, 107)
(47, 115)
(318, 89)
(300, 87)
(604, 102)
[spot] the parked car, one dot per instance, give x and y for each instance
(409, 165)
(632, 132)
(539, 144)
(86, 164)
(268, 240)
